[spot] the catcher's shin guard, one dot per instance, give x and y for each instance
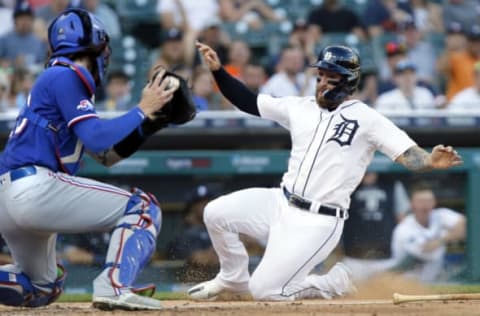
(16, 289)
(133, 242)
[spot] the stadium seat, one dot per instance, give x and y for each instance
(129, 55)
(357, 6)
(139, 18)
(136, 8)
(438, 41)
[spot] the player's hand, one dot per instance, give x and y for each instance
(443, 157)
(209, 56)
(156, 94)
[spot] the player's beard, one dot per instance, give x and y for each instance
(323, 102)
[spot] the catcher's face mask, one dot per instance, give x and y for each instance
(79, 31)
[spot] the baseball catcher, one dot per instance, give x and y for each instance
(39, 192)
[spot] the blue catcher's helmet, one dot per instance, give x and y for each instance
(344, 61)
(78, 31)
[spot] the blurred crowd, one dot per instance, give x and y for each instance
(416, 54)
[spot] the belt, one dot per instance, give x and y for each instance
(306, 205)
(22, 172)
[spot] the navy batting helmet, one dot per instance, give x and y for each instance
(344, 61)
(78, 31)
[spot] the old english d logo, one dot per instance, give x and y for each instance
(344, 131)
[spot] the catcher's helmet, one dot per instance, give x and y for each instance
(78, 31)
(344, 61)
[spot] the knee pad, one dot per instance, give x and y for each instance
(16, 289)
(134, 239)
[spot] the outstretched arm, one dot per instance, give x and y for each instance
(235, 91)
(441, 157)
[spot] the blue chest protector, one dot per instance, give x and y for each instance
(43, 134)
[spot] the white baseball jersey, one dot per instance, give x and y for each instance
(395, 100)
(409, 237)
(331, 150)
(467, 99)
(280, 85)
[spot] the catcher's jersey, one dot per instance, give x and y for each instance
(62, 105)
(331, 150)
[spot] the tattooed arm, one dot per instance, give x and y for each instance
(441, 157)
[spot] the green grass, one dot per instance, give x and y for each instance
(88, 297)
(454, 288)
(457, 288)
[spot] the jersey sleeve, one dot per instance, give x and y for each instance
(387, 137)
(406, 243)
(397, 243)
(72, 98)
(276, 108)
(448, 217)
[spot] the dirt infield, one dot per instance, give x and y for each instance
(373, 299)
(311, 307)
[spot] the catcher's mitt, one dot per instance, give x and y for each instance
(181, 108)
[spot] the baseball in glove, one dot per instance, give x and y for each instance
(181, 108)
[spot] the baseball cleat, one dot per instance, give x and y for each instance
(341, 277)
(208, 290)
(126, 301)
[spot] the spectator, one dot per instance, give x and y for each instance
(194, 13)
(83, 249)
(407, 95)
(49, 11)
(333, 17)
(395, 51)
(377, 205)
(367, 90)
(193, 245)
(38, 3)
(383, 16)
(419, 51)
(21, 84)
(251, 12)
(21, 47)
(4, 90)
(172, 53)
(213, 34)
(203, 91)
(290, 78)
(238, 57)
(463, 11)
(455, 40)
(469, 98)
(427, 16)
(45, 14)
(108, 16)
(6, 11)
(419, 242)
(458, 68)
(118, 92)
(299, 36)
(254, 76)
